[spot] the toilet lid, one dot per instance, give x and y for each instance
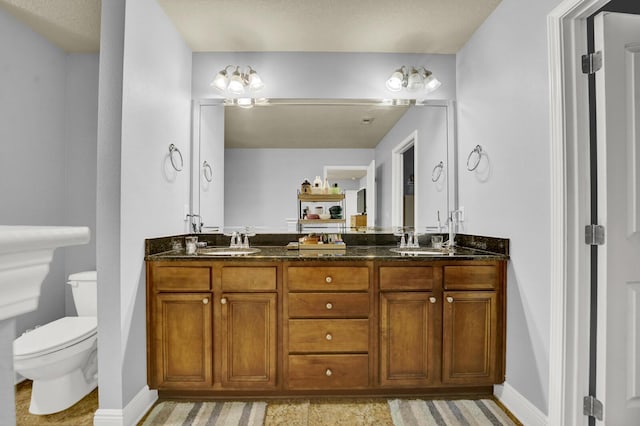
(54, 336)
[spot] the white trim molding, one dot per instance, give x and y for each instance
(131, 414)
(519, 406)
(569, 156)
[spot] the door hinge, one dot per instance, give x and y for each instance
(592, 62)
(592, 407)
(594, 235)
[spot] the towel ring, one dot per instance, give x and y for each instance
(437, 172)
(173, 149)
(207, 171)
(477, 150)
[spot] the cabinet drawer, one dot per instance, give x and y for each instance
(249, 278)
(350, 335)
(328, 371)
(337, 278)
(328, 305)
(181, 278)
(481, 277)
(406, 278)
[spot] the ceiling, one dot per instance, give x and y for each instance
(408, 26)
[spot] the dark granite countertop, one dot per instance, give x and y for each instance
(470, 247)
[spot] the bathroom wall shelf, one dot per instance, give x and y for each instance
(324, 200)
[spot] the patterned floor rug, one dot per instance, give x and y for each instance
(447, 413)
(172, 413)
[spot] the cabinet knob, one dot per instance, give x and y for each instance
(329, 305)
(223, 301)
(450, 299)
(328, 373)
(205, 301)
(329, 336)
(432, 299)
(328, 280)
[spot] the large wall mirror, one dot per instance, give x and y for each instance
(248, 164)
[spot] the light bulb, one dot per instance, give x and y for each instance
(431, 83)
(394, 83)
(245, 102)
(415, 81)
(236, 84)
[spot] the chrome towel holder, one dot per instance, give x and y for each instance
(174, 150)
(437, 172)
(478, 151)
(207, 171)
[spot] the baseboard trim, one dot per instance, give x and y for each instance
(131, 414)
(519, 406)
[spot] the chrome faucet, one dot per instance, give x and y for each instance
(452, 222)
(196, 225)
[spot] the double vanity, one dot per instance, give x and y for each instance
(366, 321)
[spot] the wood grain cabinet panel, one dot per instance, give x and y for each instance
(328, 305)
(328, 371)
(181, 278)
(182, 334)
(406, 278)
(249, 278)
(471, 277)
(337, 335)
(469, 338)
(408, 332)
(249, 340)
(328, 278)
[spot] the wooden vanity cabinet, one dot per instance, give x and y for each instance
(328, 328)
(248, 327)
(409, 326)
(179, 326)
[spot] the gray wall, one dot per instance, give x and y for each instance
(145, 105)
(48, 111)
(261, 184)
(505, 108)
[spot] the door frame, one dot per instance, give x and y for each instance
(397, 180)
(570, 212)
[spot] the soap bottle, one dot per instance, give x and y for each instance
(325, 188)
(335, 189)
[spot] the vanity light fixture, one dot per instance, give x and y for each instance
(239, 82)
(418, 79)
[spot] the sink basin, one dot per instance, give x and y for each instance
(227, 251)
(418, 251)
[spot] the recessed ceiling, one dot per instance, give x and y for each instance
(409, 26)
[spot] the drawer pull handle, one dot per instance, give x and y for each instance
(450, 299)
(205, 301)
(223, 301)
(328, 373)
(328, 280)
(329, 305)
(329, 336)
(432, 299)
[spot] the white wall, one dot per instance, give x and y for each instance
(504, 108)
(261, 184)
(145, 92)
(323, 75)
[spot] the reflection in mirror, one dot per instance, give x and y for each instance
(259, 158)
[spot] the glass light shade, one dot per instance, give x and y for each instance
(415, 81)
(220, 81)
(236, 84)
(255, 82)
(431, 83)
(394, 83)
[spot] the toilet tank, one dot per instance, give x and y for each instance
(85, 292)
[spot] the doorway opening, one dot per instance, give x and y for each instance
(404, 191)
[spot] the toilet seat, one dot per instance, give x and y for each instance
(55, 336)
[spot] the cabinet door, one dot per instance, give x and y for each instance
(407, 338)
(182, 335)
(470, 328)
(248, 331)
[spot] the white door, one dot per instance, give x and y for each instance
(371, 194)
(618, 104)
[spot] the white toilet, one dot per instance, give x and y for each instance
(62, 357)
